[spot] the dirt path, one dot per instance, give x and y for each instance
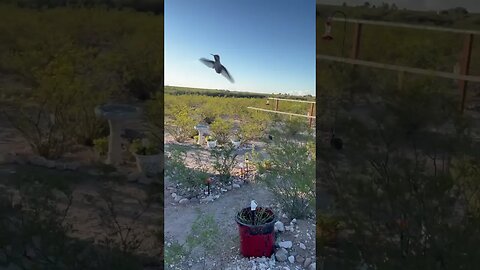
(179, 218)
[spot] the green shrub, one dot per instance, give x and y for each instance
(176, 169)
(221, 129)
(181, 127)
(45, 131)
(291, 177)
(294, 126)
(101, 146)
(144, 147)
(224, 160)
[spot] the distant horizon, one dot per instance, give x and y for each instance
(294, 93)
(471, 6)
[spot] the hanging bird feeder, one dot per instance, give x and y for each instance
(328, 30)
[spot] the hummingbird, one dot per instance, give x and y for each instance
(219, 68)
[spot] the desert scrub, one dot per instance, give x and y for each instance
(224, 160)
(177, 170)
(291, 177)
(181, 126)
(221, 129)
(44, 129)
(174, 253)
(295, 126)
(144, 147)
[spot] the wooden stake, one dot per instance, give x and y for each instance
(465, 67)
(356, 40)
(312, 110)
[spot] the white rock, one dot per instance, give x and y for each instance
(291, 259)
(207, 199)
(37, 160)
(313, 266)
(236, 186)
(279, 227)
(183, 201)
(307, 262)
(223, 190)
(302, 246)
(285, 244)
(174, 195)
(293, 221)
(271, 262)
(300, 259)
(281, 255)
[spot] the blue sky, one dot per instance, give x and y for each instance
(267, 46)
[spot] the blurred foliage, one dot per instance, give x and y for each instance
(403, 184)
(73, 59)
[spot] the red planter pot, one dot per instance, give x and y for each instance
(257, 240)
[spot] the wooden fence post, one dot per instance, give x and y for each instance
(464, 68)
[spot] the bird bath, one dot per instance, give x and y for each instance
(202, 131)
(116, 114)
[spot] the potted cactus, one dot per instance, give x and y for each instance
(211, 142)
(148, 156)
(256, 228)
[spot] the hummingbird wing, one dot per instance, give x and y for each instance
(208, 63)
(226, 74)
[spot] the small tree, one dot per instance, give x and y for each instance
(181, 127)
(224, 160)
(292, 177)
